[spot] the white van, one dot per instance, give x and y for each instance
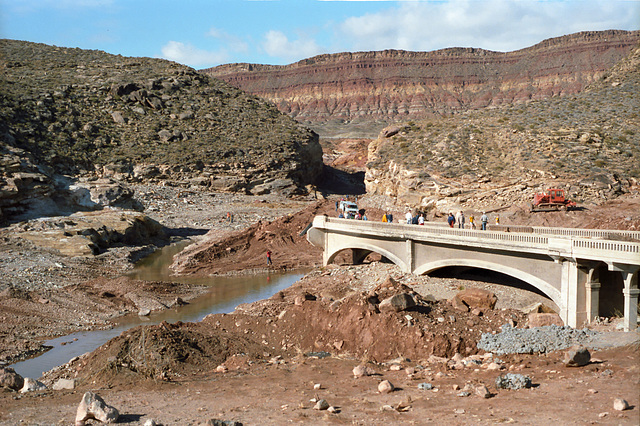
(349, 209)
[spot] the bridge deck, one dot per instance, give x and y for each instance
(566, 264)
(593, 244)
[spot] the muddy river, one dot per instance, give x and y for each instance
(226, 293)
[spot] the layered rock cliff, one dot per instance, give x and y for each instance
(88, 114)
(356, 94)
(588, 144)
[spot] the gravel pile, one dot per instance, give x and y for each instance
(533, 340)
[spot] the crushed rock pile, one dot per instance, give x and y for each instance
(533, 340)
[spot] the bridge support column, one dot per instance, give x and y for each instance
(630, 292)
(411, 257)
(593, 300)
(574, 311)
(592, 287)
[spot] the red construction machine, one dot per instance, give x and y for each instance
(550, 201)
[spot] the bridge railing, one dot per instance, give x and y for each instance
(555, 231)
(566, 243)
(607, 245)
(455, 235)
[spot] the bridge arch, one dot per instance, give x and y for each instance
(538, 283)
(368, 247)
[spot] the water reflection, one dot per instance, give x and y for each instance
(226, 293)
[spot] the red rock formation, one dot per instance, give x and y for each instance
(395, 85)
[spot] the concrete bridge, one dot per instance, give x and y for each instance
(586, 272)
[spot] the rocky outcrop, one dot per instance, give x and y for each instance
(28, 190)
(367, 89)
(496, 158)
(90, 233)
(80, 113)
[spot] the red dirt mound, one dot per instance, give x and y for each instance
(318, 314)
(246, 250)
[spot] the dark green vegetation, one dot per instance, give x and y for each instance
(589, 137)
(78, 111)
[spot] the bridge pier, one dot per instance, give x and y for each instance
(574, 294)
(592, 287)
(411, 256)
(631, 291)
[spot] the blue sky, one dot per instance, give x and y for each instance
(205, 33)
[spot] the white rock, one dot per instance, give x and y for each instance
(31, 385)
(620, 404)
(483, 391)
(94, 407)
(317, 386)
(64, 384)
(385, 386)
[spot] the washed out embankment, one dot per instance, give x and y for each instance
(245, 250)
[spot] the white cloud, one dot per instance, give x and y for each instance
(278, 45)
(502, 25)
(235, 44)
(187, 54)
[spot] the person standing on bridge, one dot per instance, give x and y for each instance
(483, 220)
(472, 222)
(451, 220)
(421, 219)
(460, 219)
(408, 217)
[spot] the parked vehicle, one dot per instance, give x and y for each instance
(551, 200)
(349, 209)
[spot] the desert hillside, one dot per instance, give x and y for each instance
(587, 143)
(85, 113)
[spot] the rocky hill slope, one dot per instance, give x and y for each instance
(357, 94)
(588, 144)
(82, 113)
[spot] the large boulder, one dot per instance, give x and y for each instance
(397, 303)
(89, 233)
(475, 298)
(10, 379)
(542, 319)
(93, 406)
(103, 193)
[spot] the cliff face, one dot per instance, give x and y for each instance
(588, 144)
(371, 89)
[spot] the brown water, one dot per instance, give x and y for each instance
(226, 293)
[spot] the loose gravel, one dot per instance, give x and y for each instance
(534, 340)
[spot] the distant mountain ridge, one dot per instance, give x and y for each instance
(357, 94)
